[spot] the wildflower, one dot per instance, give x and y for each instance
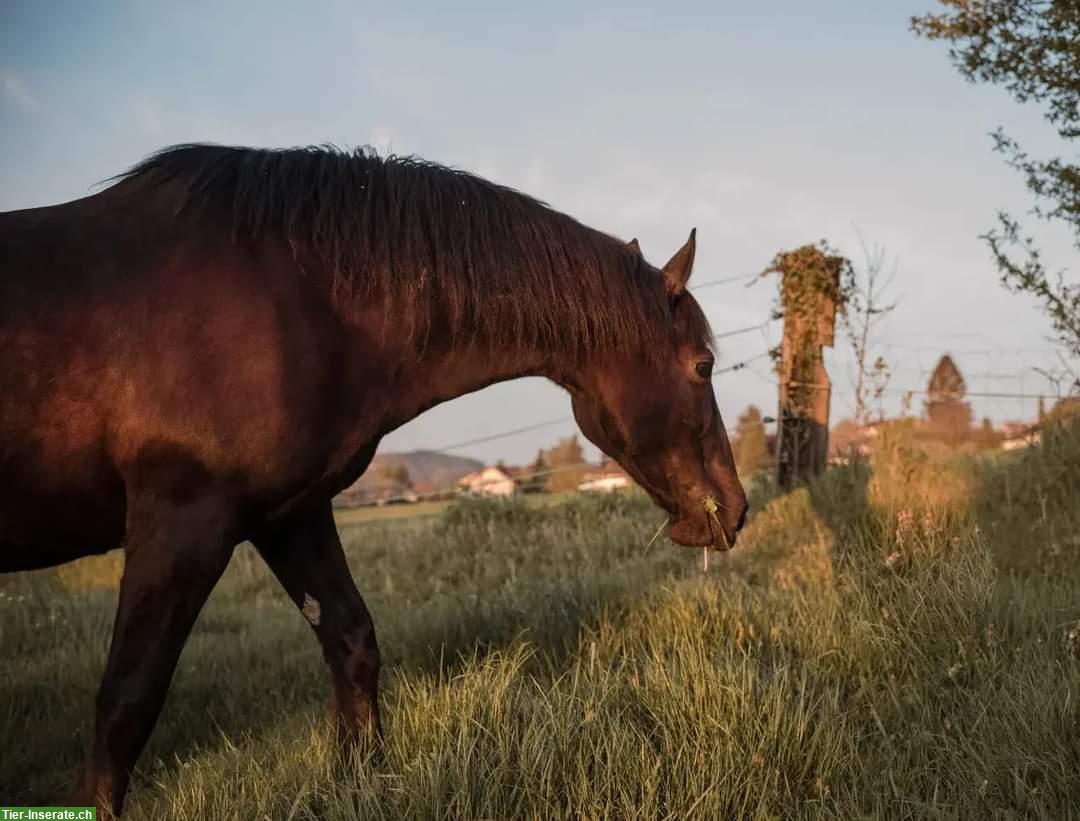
(904, 520)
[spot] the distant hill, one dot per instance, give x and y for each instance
(428, 470)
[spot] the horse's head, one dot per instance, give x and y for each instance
(655, 413)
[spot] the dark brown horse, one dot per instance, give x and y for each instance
(211, 348)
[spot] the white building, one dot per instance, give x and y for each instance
(1023, 441)
(491, 481)
(604, 482)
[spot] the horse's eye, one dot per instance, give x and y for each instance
(704, 369)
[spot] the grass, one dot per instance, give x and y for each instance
(347, 517)
(899, 640)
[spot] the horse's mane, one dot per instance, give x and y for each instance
(440, 244)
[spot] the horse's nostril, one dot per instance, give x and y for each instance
(742, 519)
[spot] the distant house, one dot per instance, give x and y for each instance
(491, 481)
(603, 482)
(434, 491)
(401, 495)
(848, 440)
(1019, 435)
(397, 478)
(379, 492)
(608, 478)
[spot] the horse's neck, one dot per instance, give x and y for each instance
(437, 377)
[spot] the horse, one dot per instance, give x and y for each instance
(211, 346)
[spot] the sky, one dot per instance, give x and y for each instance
(765, 126)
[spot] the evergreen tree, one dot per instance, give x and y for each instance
(535, 478)
(947, 412)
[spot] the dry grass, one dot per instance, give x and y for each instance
(900, 640)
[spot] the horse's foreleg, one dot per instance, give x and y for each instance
(173, 558)
(306, 556)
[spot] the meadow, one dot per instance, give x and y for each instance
(899, 640)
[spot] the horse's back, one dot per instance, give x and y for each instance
(135, 349)
(61, 498)
(109, 340)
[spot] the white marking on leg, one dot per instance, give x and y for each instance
(311, 610)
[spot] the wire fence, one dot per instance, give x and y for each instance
(745, 363)
(477, 488)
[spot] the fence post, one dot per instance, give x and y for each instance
(811, 290)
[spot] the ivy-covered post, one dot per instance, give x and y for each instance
(814, 285)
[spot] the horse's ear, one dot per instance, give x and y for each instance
(677, 271)
(633, 246)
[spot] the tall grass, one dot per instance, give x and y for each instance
(899, 640)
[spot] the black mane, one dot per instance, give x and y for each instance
(437, 242)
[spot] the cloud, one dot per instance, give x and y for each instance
(15, 91)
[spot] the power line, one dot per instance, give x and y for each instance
(503, 434)
(745, 330)
(584, 466)
(718, 372)
(738, 366)
(547, 423)
(562, 420)
(761, 326)
(1003, 350)
(454, 488)
(723, 281)
(924, 392)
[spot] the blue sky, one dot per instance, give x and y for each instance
(764, 125)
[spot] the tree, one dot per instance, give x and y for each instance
(565, 452)
(1064, 409)
(566, 463)
(986, 438)
(535, 478)
(846, 439)
(397, 473)
(751, 448)
(866, 307)
(1032, 49)
(879, 377)
(949, 415)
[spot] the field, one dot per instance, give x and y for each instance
(349, 517)
(901, 640)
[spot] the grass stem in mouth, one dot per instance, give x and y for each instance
(711, 506)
